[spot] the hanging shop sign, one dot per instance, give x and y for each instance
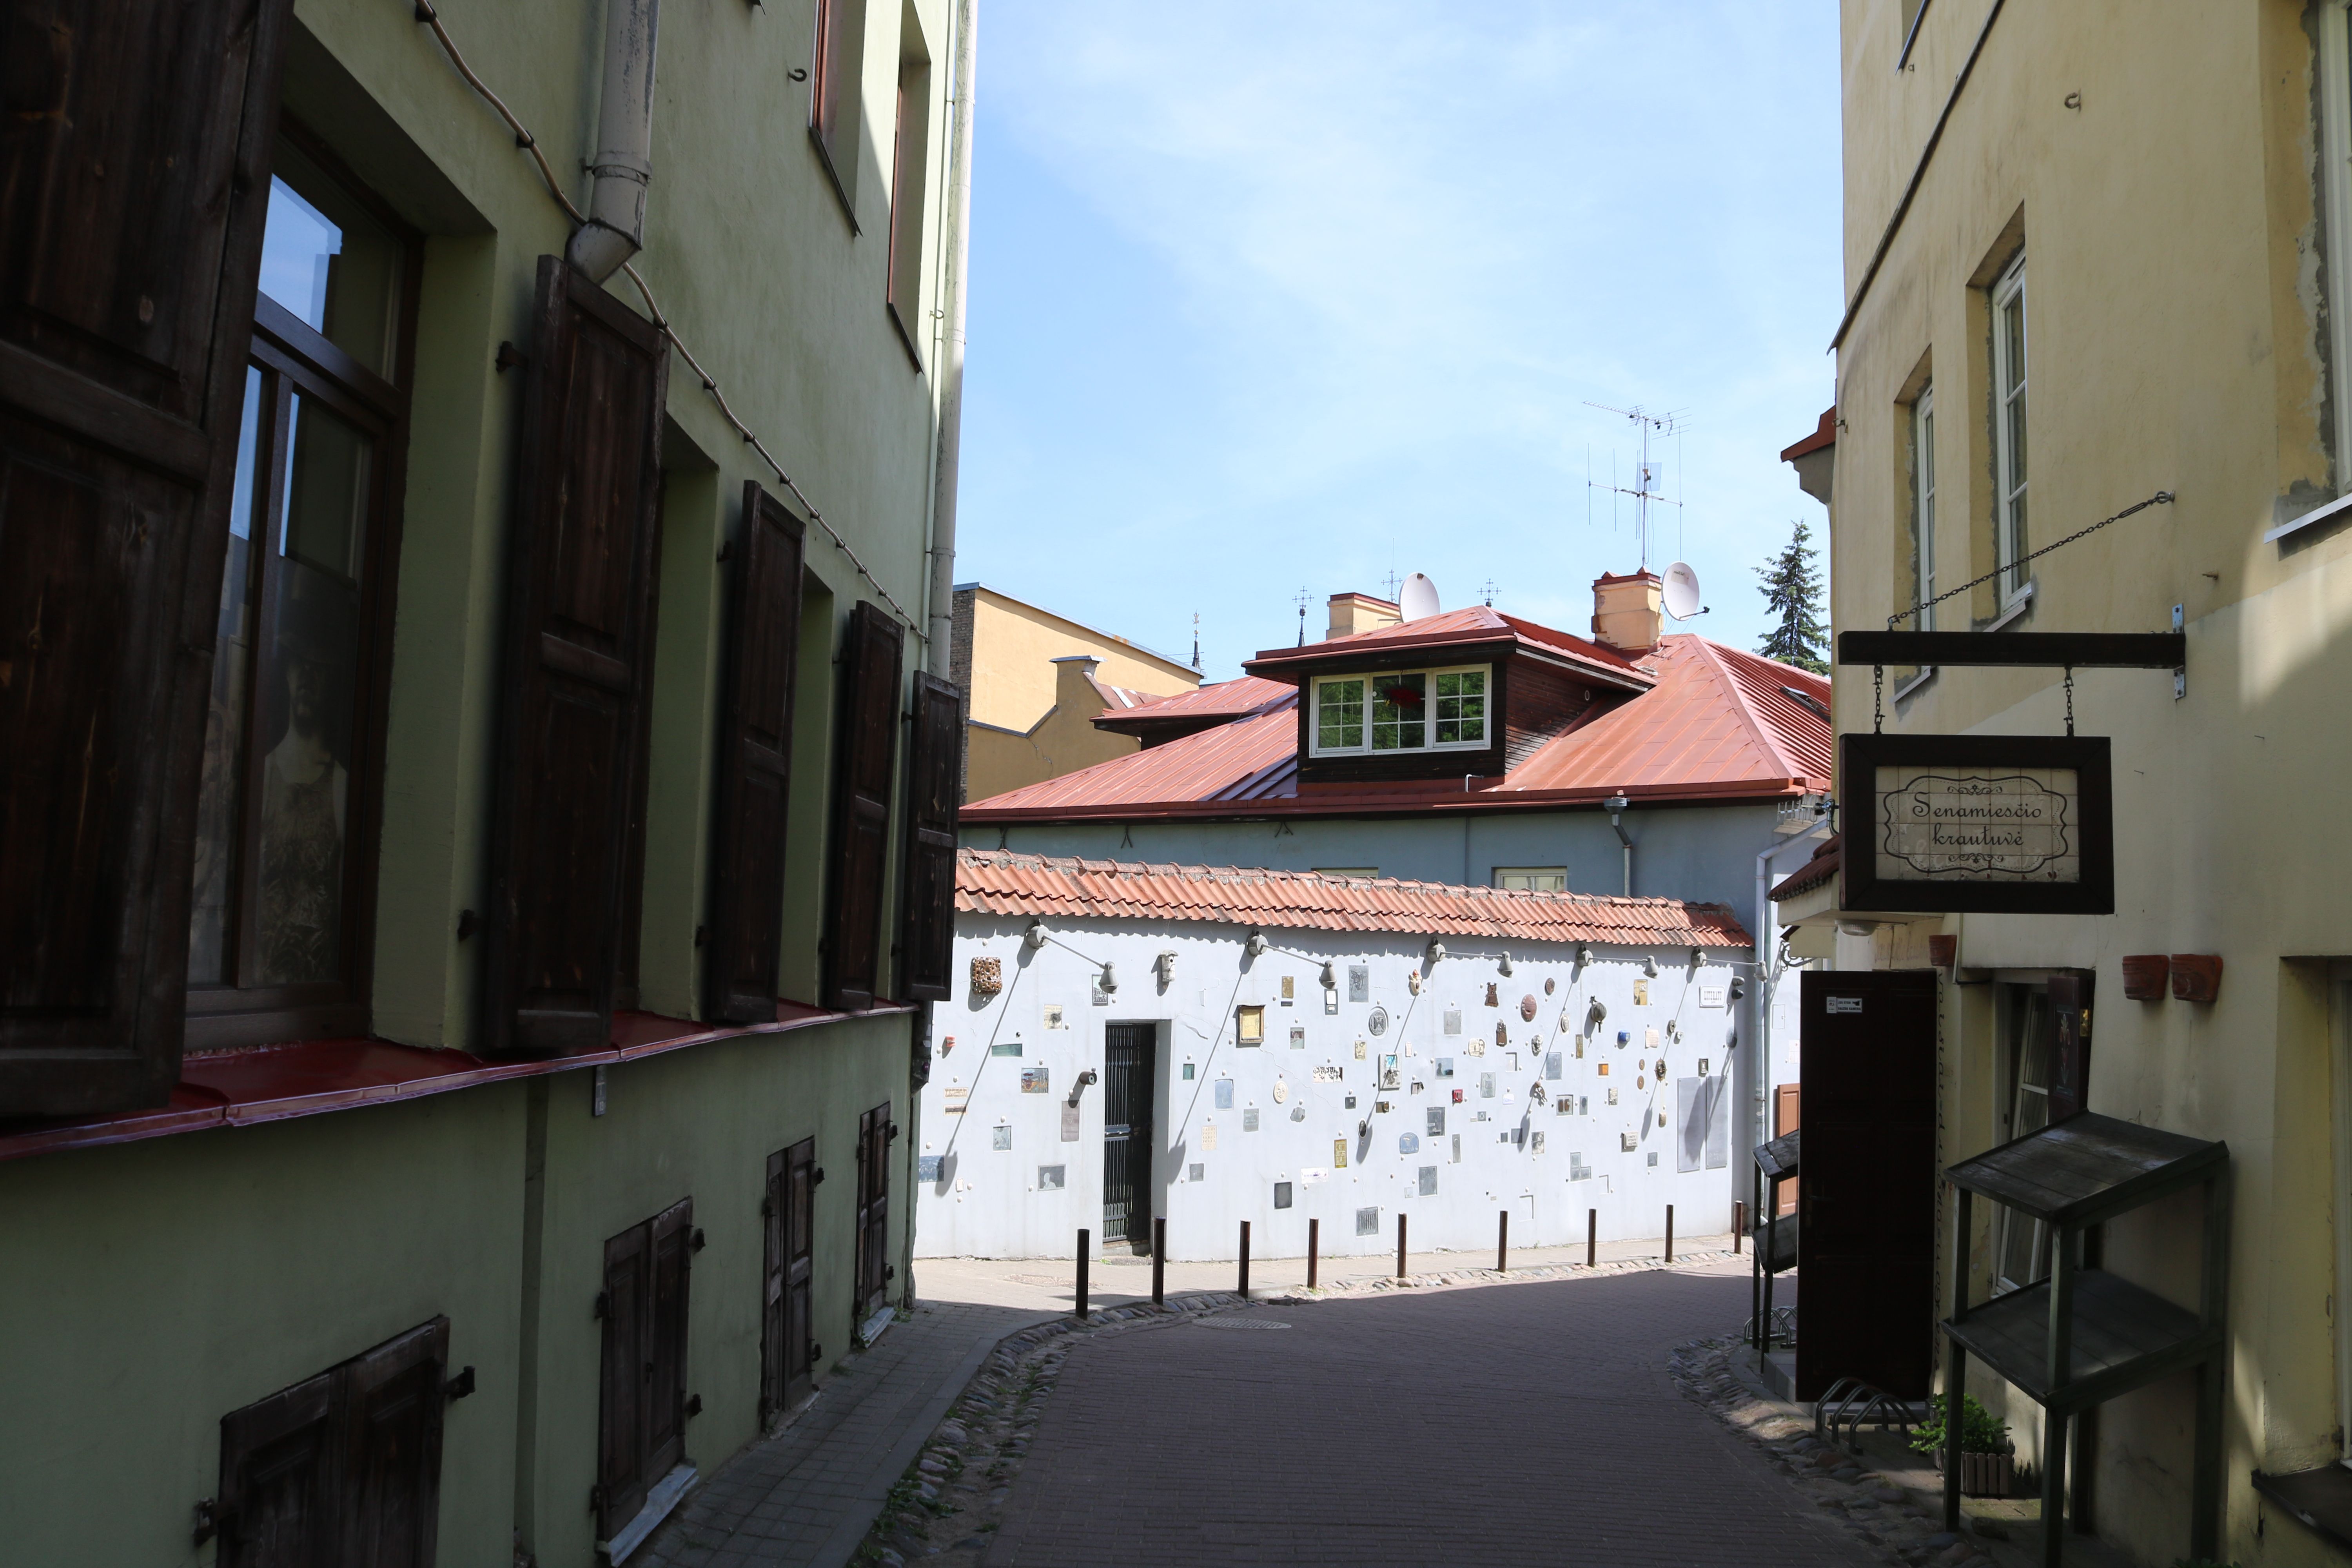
(2016, 823)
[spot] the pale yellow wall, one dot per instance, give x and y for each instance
(1032, 718)
(2174, 276)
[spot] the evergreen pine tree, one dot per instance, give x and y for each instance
(1793, 590)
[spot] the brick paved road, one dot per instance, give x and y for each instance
(1514, 1423)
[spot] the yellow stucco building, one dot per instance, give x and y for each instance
(2093, 254)
(1033, 683)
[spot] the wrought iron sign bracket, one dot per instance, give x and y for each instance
(2078, 650)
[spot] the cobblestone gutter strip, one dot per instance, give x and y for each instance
(952, 1500)
(1905, 1526)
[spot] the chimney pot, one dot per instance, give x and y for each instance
(1628, 612)
(1353, 613)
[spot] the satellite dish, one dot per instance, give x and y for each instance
(1681, 591)
(1418, 598)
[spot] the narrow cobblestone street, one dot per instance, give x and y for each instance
(1529, 1423)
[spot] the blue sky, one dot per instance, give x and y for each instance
(1267, 297)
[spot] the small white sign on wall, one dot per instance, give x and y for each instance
(1710, 996)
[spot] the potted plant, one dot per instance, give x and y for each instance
(1988, 1458)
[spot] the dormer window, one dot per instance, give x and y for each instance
(1401, 711)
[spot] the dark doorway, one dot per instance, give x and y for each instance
(874, 1132)
(785, 1352)
(1866, 1238)
(1128, 1086)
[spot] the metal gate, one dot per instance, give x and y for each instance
(1128, 1082)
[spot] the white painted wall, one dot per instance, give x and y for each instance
(987, 1202)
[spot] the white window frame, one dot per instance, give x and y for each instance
(1316, 748)
(2335, 130)
(1504, 873)
(2013, 519)
(1923, 509)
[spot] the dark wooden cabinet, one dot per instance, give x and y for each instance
(861, 829)
(343, 1469)
(787, 1353)
(641, 1422)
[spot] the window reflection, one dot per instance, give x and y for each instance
(326, 259)
(219, 799)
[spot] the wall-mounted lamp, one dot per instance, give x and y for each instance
(1109, 978)
(1503, 964)
(1256, 946)
(1739, 988)
(1436, 950)
(1650, 964)
(1034, 937)
(1329, 977)
(1695, 957)
(1078, 1084)
(1583, 954)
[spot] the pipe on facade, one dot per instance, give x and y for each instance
(1617, 804)
(616, 230)
(1760, 995)
(949, 356)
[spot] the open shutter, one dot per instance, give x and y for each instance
(874, 1133)
(861, 834)
(755, 735)
(927, 909)
(278, 1480)
(621, 1478)
(393, 1398)
(134, 154)
(665, 1407)
(580, 609)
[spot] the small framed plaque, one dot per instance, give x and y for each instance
(2018, 824)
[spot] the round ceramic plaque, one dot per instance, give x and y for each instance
(1281, 1092)
(1379, 1022)
(1527, 1008)
(1548, 986)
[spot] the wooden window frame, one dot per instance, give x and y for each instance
(1923, 509)
(2010, 409)
(295, 358)
(910, 169)
(836, 55)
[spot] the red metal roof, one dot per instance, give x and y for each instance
(1824, 435)
(1719, 724)
(1820, 869)
(1452, 629)
(1248, 694)
(1003, 882)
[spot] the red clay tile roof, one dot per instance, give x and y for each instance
(1451, 628)
(1822, 868)
(1719, 724)
(1003, 882)
(1824, 435)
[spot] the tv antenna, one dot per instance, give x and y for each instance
(1647, 476)
(1394, 581)
(1196, 642)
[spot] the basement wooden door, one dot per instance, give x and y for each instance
(1128, 1094)
(1866, 1235)
(786, 1354)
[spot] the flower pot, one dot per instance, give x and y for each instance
(1987, 1475)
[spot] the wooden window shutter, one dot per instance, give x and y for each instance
(874, 1270)
(786, 1354)
(672, 1254)
(927, 907)
(134, 178)
(2070, 1066)
(343, 1468)
(755, 733)
(861, 839)
(580, 607)
(621, 1478)
(393, 1400)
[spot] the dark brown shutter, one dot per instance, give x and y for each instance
(278, 1475)
(393, 1400)
(755, 738)
(580, 608)
(664, 1355)
(621, 1480)
(2069, 1068)
(861, 834)
(784, 1358)
(874, 1270)
(134, 159)
(927, 907)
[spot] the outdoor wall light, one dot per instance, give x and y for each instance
(1034, 937)
(1583, 954)
(1109, 978)
(1739, 988)
(1329, 977)
(1650, 964)
(1436, 950)
(1695, 958)
(1503, 964)
(1257, 944)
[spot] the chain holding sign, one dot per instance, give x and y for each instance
(2017, 823)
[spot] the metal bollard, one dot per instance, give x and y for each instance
(1159, 1261)
(1243, 1288)
(1670, 1233)
(1592, 1237)
(1739, 1224)
(1503, 1242)
(1400, 1247)
(1314, 1237)
(1086, 1244)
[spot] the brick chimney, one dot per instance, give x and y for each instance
(1353, 613)
(1628, 612)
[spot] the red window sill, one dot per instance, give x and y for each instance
(306, 1077)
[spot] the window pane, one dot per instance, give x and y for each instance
(325, 258)
(309, 678)
(1339, 714)
(1462, 708)
(1400, 710)
(220, 793)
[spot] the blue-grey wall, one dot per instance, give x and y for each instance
(1702, 852)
